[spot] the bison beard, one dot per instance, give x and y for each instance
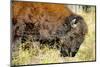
(68, 35)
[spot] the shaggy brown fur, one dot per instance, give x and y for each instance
(48, 23)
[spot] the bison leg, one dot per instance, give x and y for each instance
(73, 52)
(68, 52)
(65, 51)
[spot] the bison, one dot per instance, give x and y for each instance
(48, 24)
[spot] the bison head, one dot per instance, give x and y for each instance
(73, 38)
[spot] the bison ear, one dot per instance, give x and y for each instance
(73, 23)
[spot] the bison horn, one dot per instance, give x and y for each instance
(73, 23)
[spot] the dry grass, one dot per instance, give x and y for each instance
(46, 55)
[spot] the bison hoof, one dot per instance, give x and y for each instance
(64, 53)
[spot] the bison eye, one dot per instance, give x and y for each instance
(73, 23)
